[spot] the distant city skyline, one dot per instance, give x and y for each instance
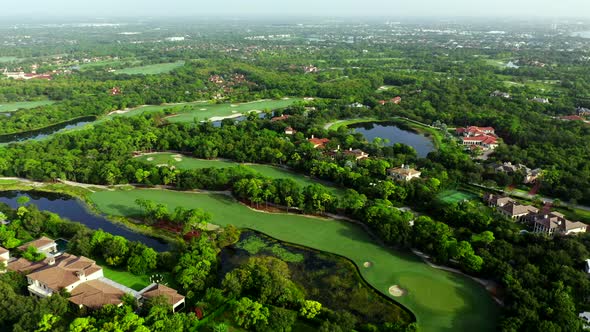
(381, 8)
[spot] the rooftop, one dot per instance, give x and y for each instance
(65, 272)
(161, 290)
(95, 294)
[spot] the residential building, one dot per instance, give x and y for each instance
(357, 153)
(403, 173)
(4, 258)
(318, 143)
(551, 223)
(510, 208)
(530, 175)
(290, 131)
(587, 266)
(397, 100)
(480, 137)
(585, 317)
(64, 272)
(500, 94)
(582, 111)
(43, 245)
(358, 105)
(80, 276)
(540, 100)
(280, 118)
(175, 300)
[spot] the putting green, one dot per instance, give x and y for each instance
(272, 172)
(441, 301)
(454, 196)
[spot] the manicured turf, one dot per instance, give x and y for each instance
(126, 278)
(208, 111)
(159, 68)
(11, 107)
(8, 181)
(4, 59)
(454, 196)
(266, 170)
(442, 301)
(344, 123)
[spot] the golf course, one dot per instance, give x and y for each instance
(12, 107)
(159, 68)
(183, 162)
(441, 301)
(204, 110)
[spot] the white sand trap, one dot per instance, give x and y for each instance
(286, 98)
(150, 159)
(203, 109)
(233, 105)
(367, 265)
(397, 291)
(178, 159)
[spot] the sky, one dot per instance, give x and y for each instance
(356, 8)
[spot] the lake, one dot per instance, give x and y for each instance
(387, 130)
(46, 132)
(74, 210)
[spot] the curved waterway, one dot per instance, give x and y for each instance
(388, 130)
(74, 210)
(47, 131)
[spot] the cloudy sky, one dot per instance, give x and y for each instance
(382, 8)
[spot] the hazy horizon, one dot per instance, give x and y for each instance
(346, 8)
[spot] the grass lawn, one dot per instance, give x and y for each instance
(266, 170)
(207, 111)
(4, 59)
(159, 68)
(126, 278)
(442, 301)
(454, 196)
(8, 181)
(11, 107)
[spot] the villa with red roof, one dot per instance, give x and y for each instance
(318, 143)
(478, 137)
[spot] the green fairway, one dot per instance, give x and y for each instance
(272, 172)
(11, 107)
(442, 301)
(454, 196)
(216, 111)
(159, 68)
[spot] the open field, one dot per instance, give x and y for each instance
(442, 301)
(11, 107)
(5, 59)
(159, 68)
(266, 170)
(455, 196)
(209, 111)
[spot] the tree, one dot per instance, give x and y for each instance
(31, 254)
(143, 262)
(47, 323)
(249, 313)
(23, 200)
(115, 250)
(309, 309)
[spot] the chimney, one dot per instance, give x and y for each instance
(338, 148)
(80, 274)
(51, 261)
(312, 136)
(349, 149)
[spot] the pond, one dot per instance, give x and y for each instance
(388, 130)
(74, 210)
(48, 131)
(326, 278)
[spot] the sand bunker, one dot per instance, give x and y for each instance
(178, 159)
(150, 159)
(203, 109)
(367, 264)
(397, 291)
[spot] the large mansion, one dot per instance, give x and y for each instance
(546, 222)
(478, 137)
(80, 276)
